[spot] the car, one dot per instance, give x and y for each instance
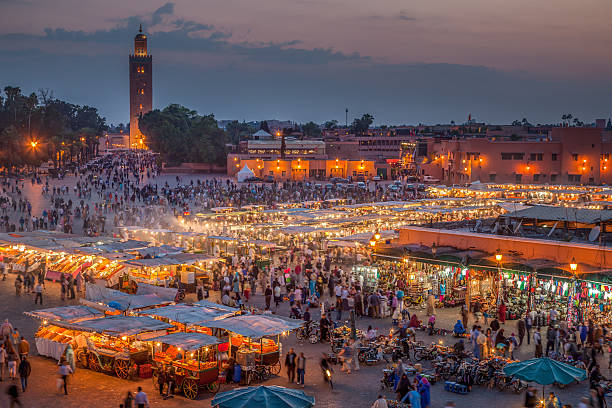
(361, 184)
(430, 179)
(376, 178)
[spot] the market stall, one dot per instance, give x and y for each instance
(255, 339)
(114, 344)
(51, 341)
(190, 359)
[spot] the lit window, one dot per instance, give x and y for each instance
(141, 106)
(142, 91)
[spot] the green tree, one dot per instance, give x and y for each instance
(361, 125)
(311, 129)
(330, 124)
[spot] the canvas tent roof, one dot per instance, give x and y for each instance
(187, 341)
(69, 314)
(118, 325)
(550, 213)
(255, 326)
(188, 314)
(245, 174)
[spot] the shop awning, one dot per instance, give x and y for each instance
(69, 314)
(187, 341)
(256, 326)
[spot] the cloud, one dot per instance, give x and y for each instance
(404, 16)
(172, 34)
(165, 10)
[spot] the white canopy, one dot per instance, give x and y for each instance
(245, 174)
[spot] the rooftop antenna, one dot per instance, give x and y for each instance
(346, 117)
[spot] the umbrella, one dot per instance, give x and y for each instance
(545, 371)
(263, 396)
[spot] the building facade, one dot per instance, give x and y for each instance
(141, 87)
(565, 155)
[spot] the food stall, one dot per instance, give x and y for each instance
(190, 359)
(115, 344)
(255, 339)
(51, 340)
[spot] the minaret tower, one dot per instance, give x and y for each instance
(141, 87)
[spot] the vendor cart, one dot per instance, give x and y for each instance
(115, 344)
(190, 359)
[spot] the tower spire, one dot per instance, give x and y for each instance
(140, 30)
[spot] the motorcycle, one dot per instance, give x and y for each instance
(310, 332)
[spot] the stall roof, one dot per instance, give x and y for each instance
(106, 296)
(69, 314)
(119, 325)
(217, 306)
(188, 315)
(255, 326)
(569, 214)
(187, 341)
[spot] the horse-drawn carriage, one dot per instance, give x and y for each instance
(189, 360)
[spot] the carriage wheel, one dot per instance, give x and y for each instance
(213, 388)
(81, 357)
(94, 364)
(190, 388)
(275, 368)
(122, 368)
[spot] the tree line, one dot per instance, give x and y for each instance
(38, 127)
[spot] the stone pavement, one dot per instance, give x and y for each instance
(93, 389)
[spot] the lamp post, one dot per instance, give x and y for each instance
(498, 258)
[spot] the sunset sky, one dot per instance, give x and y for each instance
(429, 61)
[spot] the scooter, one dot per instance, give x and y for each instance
(327, 376)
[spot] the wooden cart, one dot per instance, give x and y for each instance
(190, 359)
(98, 357)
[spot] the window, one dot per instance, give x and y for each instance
(575, 157)
(573, 178)
(536, 156)
(140, 106)
(553, 178)
(518, 178)
(492, 177)
(536, 177)
(354, 174)
(512, 156)
(142, 91)
(554, 156)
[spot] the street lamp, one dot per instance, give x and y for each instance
(573, 265)
(498, 256)
(377, 236)
(434, 249)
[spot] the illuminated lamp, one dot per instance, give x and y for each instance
(573, 265)
(498, 256)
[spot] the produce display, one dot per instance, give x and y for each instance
(113, 344)
(269, 345)
(56, 334)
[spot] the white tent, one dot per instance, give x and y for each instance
(245, 174)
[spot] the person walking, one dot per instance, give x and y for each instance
(64, 371)
(13, 394)
(25, 369)
(24, 348)
(3, 358)
(12, 364)
(38, 291)
(531, 400)
(521, 328)
(537, 342)
(141, 400)
(268, 295)
(301, 369)
(128, 400)
(290, 361)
